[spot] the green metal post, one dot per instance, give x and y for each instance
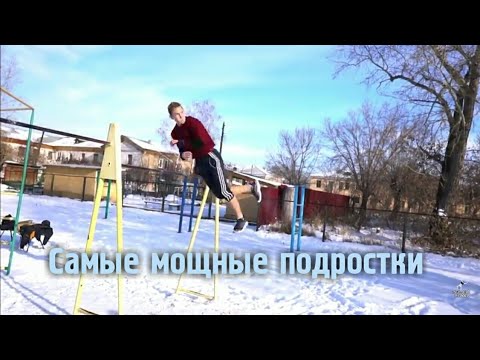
(108, 198)
(20, 196)
(96, 183)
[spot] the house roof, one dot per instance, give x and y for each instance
(254, 170)
(74, 166)
(70, 142)
(329, 176)
(11, 132)
(152, 146)
(15, 163)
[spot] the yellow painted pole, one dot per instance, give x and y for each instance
(197, 222)
(217, 242)
(88, 247)
(119, 239)
(111, 170)
(195, 230)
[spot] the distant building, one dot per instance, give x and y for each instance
(259, 172)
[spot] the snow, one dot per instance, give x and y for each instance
(32, 289)
(4, 188)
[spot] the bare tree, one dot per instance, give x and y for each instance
(442, 81)
(296, 157)
(204, 111)
(469, 193)
(412, 168)
(408, 179)
(9, 77)
(365, 143)
(6, 150)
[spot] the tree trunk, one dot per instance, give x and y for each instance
(455, 152)
(451, 166)
(397, 201)
(287, 206)
(457, 143)
(363, 211)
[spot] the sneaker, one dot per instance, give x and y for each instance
(240, 225)
(257, 190)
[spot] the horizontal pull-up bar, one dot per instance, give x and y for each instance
(16, 109)
(16, 98)
(40, 128)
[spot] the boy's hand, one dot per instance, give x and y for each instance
(173, 142)
(187, 155)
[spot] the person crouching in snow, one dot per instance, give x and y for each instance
(194, 142)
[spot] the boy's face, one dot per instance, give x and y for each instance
(178, 115)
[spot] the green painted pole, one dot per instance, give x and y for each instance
(108, 198)
(20, 195)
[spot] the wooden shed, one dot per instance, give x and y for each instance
(11, 173)
(74, 181)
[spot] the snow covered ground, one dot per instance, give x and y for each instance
(32, 289)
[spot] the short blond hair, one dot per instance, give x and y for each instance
(173, 105)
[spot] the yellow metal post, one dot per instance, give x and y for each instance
(88, 247)
(194, 233)
(111, 170)
(217, 243)
(216, 247)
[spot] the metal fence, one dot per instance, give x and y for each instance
(400, 229)
(326, 220)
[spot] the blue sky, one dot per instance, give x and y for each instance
(258, 90)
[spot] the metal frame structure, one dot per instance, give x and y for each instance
(26, 107)
(111, 170)
(30, 126)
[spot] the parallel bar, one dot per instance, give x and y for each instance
(85, 312)
(41, 128)
(193, 292)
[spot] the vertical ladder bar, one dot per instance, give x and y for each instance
(192, 206)
(294, 218)
(108, 197)
(184, 194)
(300, 222)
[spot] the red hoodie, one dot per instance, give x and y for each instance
(192, 136)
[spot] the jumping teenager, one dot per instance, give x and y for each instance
(194, 142)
